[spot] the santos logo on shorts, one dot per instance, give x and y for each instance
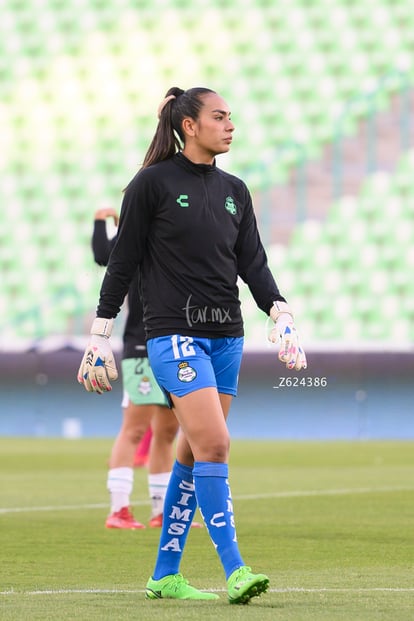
(186, 373)
(145, 386)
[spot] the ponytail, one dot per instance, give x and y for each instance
(169, 137)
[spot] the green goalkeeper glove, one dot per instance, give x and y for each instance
(98, 366)
(284, 331)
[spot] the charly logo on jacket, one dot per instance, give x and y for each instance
(182, 200)
(186, 373)
(230, 205)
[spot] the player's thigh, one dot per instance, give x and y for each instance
(135, 418)
(225, 401)
(202, 420)
(164, 424)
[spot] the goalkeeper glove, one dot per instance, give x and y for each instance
(284, 331)
(98, 363)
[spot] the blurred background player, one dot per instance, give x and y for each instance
(142, 451)
(144, 408)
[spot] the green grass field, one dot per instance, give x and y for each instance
(332, 524)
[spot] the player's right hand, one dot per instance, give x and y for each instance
(98, 367)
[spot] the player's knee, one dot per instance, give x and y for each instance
(170, 435)
(135, 433)
(218, 450)
(165, 433)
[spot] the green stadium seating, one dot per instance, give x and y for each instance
(349, 278)
(80, 83)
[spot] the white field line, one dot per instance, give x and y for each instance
(47, 508)
(218, 590)
(291, 494)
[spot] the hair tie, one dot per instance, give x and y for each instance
(164, 103)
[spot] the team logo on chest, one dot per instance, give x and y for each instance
(230, 205)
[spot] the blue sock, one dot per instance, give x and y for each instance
(216, 507)
(179, 508)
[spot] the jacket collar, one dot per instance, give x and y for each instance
(198, 169)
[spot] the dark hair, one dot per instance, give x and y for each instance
(169, 137)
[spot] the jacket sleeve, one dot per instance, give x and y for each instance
(129, 247)
(101, 245)
(252, 261)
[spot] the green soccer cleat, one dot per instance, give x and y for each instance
(243, 585)
(174, 586)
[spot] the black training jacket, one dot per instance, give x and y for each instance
(191, 230)
(134, 333)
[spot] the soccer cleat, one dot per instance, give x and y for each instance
(243, 585)
(123, 519)
(174, 586)
(156, 522)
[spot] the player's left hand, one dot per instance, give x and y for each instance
(284, 332)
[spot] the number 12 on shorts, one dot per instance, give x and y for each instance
(182, 344)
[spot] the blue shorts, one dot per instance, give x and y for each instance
(183, 364)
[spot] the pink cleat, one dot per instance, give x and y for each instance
(123, 519)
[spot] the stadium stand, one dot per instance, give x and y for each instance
(79, 82)
(349, 276)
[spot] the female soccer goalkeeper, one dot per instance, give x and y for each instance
(190, 229)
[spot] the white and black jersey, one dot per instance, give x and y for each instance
(191, 231)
